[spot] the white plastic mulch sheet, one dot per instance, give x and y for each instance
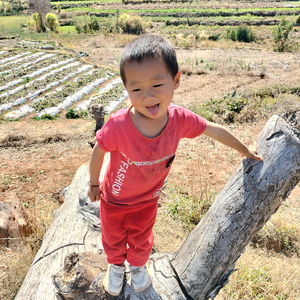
(85, 104)
(26, 65)
(21, 112)
(6, 107)
(68, 77)
(114, 104)
(30, 96)
(2, 52)
(70, 100)
(19, 88)
(22, 59)
(49, 111)
(85, 74)
(5, 60)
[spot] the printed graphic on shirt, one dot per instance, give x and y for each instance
(121, 174)
(148, 163)
(118, 182)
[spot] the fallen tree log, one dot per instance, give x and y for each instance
(71, 254)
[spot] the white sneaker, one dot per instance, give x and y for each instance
(113, 279)
(140, 278)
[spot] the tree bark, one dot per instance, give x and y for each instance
(204, 262)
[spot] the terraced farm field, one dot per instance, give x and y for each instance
(43, 84)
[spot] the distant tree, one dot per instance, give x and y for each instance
(51, 22)
(58, 7)
(41, 7)
(281, 35)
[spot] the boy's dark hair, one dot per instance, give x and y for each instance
(149, 46)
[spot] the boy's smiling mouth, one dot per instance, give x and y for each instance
(153, 110)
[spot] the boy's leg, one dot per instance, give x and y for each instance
(114, 244)
(140, 241)
(140, 235)
(113, 232)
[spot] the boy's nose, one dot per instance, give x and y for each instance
(148, 95)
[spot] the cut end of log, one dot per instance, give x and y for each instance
(82, 277)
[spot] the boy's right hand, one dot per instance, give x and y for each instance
(94, 193)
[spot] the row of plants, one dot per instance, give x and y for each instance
(24, 59)
(56, 97)
(110, 95)
(30, 87)
(34, 76)
(10, 53)
(196, 12)
(26, 71)
(23, 69)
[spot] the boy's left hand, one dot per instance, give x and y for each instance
(252, 152)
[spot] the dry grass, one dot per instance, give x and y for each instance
(264, 275)
(15, 265)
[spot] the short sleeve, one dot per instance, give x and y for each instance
(107, 137)
(193, 125)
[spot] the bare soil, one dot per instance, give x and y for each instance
(38, 159)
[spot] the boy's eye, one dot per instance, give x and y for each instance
(136, 90)
(157, 85)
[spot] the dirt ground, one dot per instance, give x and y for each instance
(38, 159)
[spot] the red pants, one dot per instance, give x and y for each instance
(127, 231)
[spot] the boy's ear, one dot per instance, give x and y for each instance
(177, 80)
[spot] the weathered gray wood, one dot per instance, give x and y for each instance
(202, 265)
(76, 228)
(252, 194)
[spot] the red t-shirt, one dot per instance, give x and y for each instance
(139, 165)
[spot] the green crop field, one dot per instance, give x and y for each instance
(11, 25)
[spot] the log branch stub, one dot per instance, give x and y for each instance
(98, 115)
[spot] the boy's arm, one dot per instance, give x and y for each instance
(95, 168)
(224, 136)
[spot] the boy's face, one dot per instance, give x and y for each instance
(150, 87)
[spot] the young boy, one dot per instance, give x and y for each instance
(142, 141)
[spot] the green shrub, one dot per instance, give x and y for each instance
(214, 36)
(72, 114)
(226, 109)
(46, 117)
(51, 22)
(281, 35)
(129, 24)
(8, 8)
(87, 24)
(244, 34)
(231, 35)
(37, 23)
